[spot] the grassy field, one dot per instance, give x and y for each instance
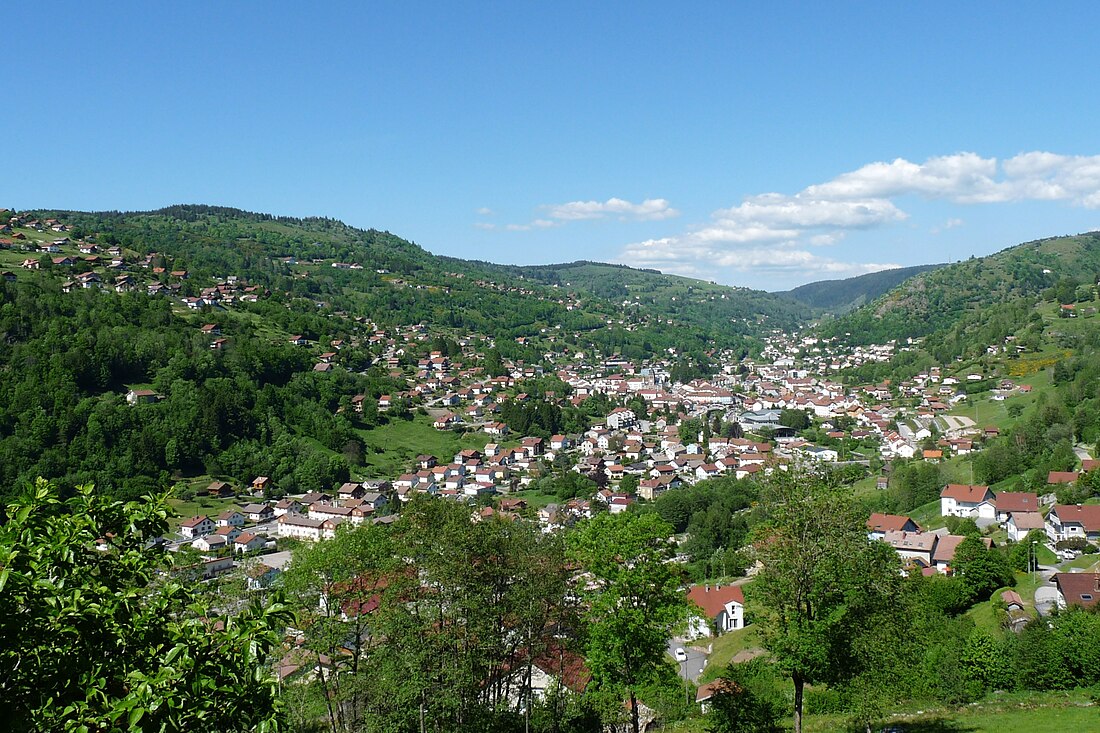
(727, 646)
(1085, 563)
(1050, 712)
(393, 448)
(535, 499)
(928, 515)
(195, 507)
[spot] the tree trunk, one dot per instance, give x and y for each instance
(799, 683)
(634, 711)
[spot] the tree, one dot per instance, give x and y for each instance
(101, 640)
(745, 700)
(982, 569)
(631, 597)
(796, 419)
(820, 577)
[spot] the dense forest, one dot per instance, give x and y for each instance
(254, 408)
(840, 296)
(398, 282)
(972, 293)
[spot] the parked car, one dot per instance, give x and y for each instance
(680, 654)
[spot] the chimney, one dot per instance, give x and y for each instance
(706, 588)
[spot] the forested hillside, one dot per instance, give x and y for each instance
(969, 294)
(840, 296)
(254, 408)
(398, 282)
(695, 301)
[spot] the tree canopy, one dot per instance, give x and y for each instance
(95, 637)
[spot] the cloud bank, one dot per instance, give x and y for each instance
(613, 208)
(774, 233)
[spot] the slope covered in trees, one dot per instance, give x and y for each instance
(696, 301)
(397, 281)
(979, 290)
(840, 296)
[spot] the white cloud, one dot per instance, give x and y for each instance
(967, 178)
(486, 225)
(648, 210)
(536, 224)
(770, 232)
(621, 209)
(671, 254)
(484, 211)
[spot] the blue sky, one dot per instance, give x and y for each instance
(755, 144)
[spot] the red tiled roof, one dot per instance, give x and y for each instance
(965, 492)
(1087, 515)
(888, 522)
(1079, 589)
(1017, 501)
(713, 598)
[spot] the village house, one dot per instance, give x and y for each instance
(1067, 521)
(141, 396)
(258, 512)
(1019, 524)
(197, 527)
(963, 500)
(248, 542)
(210, 543)
(913, 547)
(1077, 589)
(722, 608)
(1010, 502)
(879, 524)
(230, 518)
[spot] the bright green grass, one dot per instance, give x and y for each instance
(393, 448)
(1085, 563)
(1034, 713)
(534, 499)
(197, 506)
(727, 646)
(1045, 555)
(928, 515)
(1050, 712)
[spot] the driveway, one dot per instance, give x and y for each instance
(1046, 595)
(692, 668)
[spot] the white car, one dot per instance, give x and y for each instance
(680, 654)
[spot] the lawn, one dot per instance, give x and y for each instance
(393, 448)
(1085, 563)
(1037, 712)
(535, 499)
(727, 646)
(928, 515)
(202, 505)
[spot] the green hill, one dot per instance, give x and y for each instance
(981, 299)
(841, 296)
(717, 307)
(395, 281)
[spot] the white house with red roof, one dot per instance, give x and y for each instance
(964, 500)
(197, 526)
(879, 524)
(722, 606)
(1066, 521)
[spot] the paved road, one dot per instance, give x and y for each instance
(692, 668)
(1046, 595)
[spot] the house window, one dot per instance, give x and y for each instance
(1086, 596)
